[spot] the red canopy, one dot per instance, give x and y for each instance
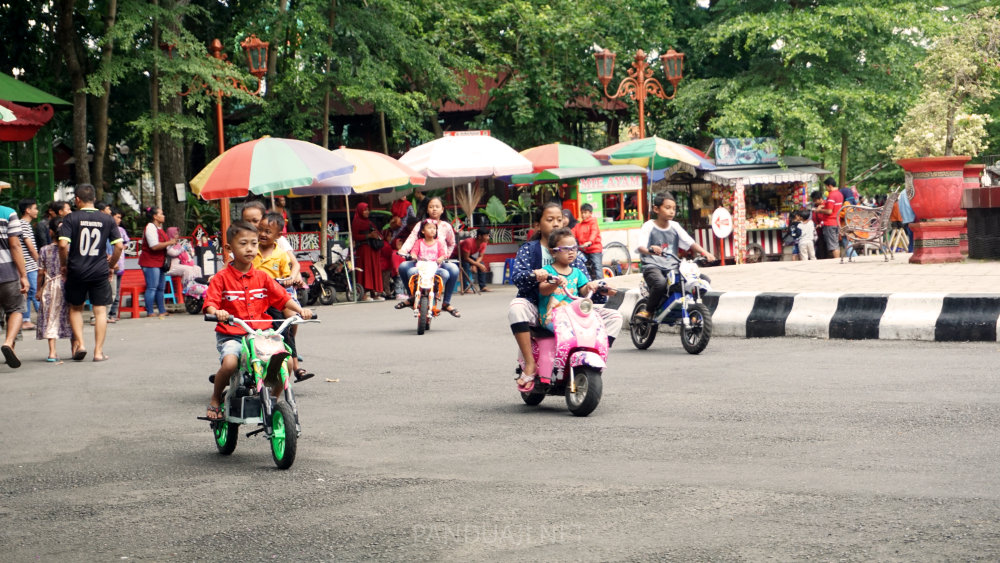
(26, 121)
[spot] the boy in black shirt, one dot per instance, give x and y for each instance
(86, 266)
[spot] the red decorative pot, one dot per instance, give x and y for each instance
(934, 185)
(971, 175)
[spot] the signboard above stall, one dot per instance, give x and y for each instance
(755, 150)
(601, 184)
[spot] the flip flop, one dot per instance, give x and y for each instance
(214, 410)
(527, 387)
(52, 360)
(79, 355)
(301, 375)
(10, 357)
(104, 359)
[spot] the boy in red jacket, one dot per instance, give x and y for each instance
(588, 235)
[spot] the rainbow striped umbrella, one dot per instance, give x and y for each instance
(654, 153)
(558, 155)
(267, 165)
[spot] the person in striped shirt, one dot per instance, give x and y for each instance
(28, 210)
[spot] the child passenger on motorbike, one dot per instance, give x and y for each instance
(562, 244)
(243, 292)
(660, 236)
(275, 263)
(529, 272)
(447, 271)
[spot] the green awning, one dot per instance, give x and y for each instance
(13, 90)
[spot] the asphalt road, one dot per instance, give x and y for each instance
(780, 449)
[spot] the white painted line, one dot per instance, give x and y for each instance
(730, 316)
(910, 316)
(811, 313)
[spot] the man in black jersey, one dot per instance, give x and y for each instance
(83, 237)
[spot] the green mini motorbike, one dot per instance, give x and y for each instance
(263, 360)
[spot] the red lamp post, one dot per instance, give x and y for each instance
(256, 53)
(640, 82)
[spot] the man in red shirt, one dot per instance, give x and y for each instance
(830, 213)
(471, 252)
(245, 293)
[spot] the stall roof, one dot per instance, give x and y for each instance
(556, 174)
(796, 169)
(13, 90)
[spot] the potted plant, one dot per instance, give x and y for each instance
(960, 71)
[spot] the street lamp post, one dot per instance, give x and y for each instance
(256, 53)
(640, 82)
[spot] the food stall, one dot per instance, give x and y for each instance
(762, 195)
(615, 192)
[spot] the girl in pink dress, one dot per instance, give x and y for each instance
(429, 247)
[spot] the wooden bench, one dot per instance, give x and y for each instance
(865, 226)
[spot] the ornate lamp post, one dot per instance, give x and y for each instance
(640, 82)
(256, 53)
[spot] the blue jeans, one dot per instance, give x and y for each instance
(156, 282)
(480, 277)
(30, 298)
(448, 273)
(596, 261)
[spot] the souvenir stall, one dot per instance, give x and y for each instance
(760, 199)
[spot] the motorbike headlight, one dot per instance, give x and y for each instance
(586, 306)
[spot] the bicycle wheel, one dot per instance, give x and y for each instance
(617, 257)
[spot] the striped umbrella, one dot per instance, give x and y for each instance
(373, 171)
(558, 155)
(267, 165)
(654, 153)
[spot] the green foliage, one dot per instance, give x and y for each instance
(495, 211)
(961, 69)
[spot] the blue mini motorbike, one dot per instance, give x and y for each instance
(683, 307)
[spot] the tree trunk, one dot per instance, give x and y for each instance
(949, 139)
(172, 164)
(101, 115)
(68, 42)
(843, 159)
(324, 202)
(154, 107)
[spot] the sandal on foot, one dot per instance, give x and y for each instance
(214, 413)
(79, 355)
(529, 384)
(301, 375)
(52, 360)
(453, 311)
(10, 357)
(102, 358)
(402, 305)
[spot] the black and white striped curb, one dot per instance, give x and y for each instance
(852, 316)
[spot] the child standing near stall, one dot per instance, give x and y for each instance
(807, 235)
(588, 235)
(563, 246)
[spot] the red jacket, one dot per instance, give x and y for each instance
(587, 231)
(244, 296)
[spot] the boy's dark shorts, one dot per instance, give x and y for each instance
(11, 298)
(98, 291)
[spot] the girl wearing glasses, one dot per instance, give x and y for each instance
(528, 273)
(562, 244)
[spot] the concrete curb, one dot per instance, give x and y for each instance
(939, 317)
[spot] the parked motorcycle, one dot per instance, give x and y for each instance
(194, 295)
(337, 268)
(686, 287)
(571, 359)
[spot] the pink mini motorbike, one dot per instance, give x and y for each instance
(571, 358)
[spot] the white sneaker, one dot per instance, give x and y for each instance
(379, 298)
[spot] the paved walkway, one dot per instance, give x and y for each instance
(865, 299)
(867, 274)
